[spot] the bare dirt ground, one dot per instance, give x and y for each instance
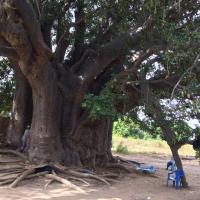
(132, 187)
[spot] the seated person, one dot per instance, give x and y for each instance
(171, 165)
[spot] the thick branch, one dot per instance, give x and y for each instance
(80, 30)
(8, 52)
(31, 25)
(144, 55)
(63, 42)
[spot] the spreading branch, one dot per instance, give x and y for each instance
(30, 24)
(189, 70)
(8, 52)
(63, 42)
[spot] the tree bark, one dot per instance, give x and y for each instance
(90, 144)
(4, 122)
(21, 110)
(179, 165)
(45, 134)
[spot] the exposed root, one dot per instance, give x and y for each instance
(128, 161)
(79, 179)
(64, 181)
(21, 177)
(27, 177)
(110, 176)
(76, 174)
(9, 176)
(61, 168)
(4, 169)
(8, 151)
(11, 172)
(86, 175)
(9, 161)
(48, 183)
(36, 175)
(6, 182)
(112, 180)
(119, 166)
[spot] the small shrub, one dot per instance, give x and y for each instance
(121, 148)
(160, 144)
(197, 154)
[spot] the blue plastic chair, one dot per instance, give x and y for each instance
(175, 177)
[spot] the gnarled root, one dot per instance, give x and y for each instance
(119, 166)
(79, 179)
(9, 151)
(64, 181)
(21, 177)
(86, 175)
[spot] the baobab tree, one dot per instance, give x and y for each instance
(63, 50)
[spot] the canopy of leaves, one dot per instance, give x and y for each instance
(6, 87)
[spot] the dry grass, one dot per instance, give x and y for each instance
(149, 146)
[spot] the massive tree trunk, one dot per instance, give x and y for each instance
(45, 139)
(21, 114)
(60, 129)
(89, 144)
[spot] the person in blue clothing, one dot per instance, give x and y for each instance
(171, 165)
(25, 140)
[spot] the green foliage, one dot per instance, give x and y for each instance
(126, 127)
(6, 87)
(103, 106)
(197, 154)
(182, 130)
(121, 148)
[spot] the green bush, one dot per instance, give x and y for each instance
(127, 128)
(197, 154)
(121, 148)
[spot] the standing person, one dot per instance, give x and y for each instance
(25, 140)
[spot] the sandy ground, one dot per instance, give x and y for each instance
(133, 187)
